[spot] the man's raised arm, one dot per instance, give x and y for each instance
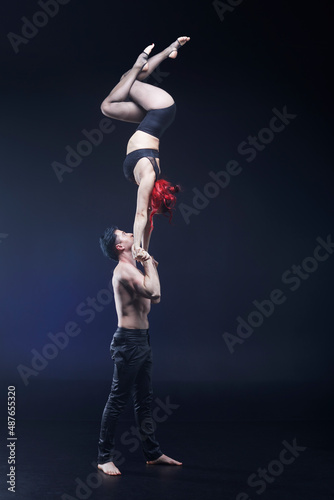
(151, 279)
(147, 285)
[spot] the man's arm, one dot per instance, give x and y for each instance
(151, 273)
(147, 285)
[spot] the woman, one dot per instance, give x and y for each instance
(134, 101)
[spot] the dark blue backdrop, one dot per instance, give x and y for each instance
(235, 236)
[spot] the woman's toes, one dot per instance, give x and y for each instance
(149, 49)
(176, 45)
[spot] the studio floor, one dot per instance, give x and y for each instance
(221, 460)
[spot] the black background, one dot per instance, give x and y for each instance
(226, 82)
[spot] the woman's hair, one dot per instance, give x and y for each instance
(163, 199)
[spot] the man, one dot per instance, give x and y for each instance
(130, 348)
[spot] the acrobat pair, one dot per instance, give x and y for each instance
(136, 291)
(132, 100)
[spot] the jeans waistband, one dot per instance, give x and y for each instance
(130, 337)
(131, 331)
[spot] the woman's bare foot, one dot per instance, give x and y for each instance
(164, 460)
(109, 468)
(142, 59)
(176, 45)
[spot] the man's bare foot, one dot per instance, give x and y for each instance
(164, 460)
(109, 468)
(173, 48)
(142, 59)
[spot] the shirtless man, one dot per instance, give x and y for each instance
(130, 349)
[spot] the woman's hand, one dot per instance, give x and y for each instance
(135, 249)
(139, 253)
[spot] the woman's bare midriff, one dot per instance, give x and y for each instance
(142, 140)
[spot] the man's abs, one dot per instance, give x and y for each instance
(132, 313)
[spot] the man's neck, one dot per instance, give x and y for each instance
(126, 258)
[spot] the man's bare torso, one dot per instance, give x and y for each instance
(132, 309)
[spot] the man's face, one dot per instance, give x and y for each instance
(125, 240)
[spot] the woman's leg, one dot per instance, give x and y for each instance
(170, 51)
(115, 105)
(150, 96)
(154, 61)
(143, 98)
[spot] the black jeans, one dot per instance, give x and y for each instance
(131, 352)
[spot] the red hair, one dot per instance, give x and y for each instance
(163, 198)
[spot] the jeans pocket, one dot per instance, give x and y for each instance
(123, 353)
(116, 344)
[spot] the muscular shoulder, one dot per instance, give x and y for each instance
(126, 273)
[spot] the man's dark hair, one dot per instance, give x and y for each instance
(108, 243)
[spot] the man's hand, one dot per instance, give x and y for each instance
(140, 254)
(155, 262)
(145, 284)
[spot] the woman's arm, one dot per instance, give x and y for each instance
(141, 219)
(147, 233)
